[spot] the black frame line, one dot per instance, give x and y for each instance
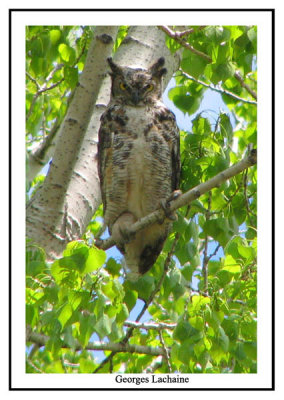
(272, 11)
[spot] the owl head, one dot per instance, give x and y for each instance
(137, 86)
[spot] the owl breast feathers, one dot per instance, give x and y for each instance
(139, 163)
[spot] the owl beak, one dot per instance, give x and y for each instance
(135, 97)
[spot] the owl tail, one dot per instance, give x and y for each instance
(139, 259)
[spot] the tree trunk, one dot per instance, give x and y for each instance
(62, 208)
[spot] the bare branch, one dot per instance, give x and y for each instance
(205, 255)
(218, 89)
(41, 340)
(185, 44)
(166, 357)
(150, 325)
(157, 363)
(187, 197)
(238, 76)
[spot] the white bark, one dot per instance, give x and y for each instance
(57, 212)
(39, 156)
(70, 195)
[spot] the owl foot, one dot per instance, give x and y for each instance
(120, 230)
(126, 235)
(165, 205)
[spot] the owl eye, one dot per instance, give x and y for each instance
(149, 87)
(122, 86)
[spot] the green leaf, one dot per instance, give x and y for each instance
(55, 368)
(186, 352)
(217, 34)
(130, 298)
(96, 259)
(201, 126)
(183, 100)
(249, 329)
(71, 76)
(187, 272)
(222, 72)
(184, 330)
(193, 64)
(223, 340)
(87, 323)
(231, 265)
(113, 289)
(226, 126)
(221, 229)
(65, 314)
(123, 314)
(67, 54)
(251, 350)
(144, 286)
(86, 366)
(231, 327)
(240, 352)
(37, 65)
(197, 322)
(198, 301)
(113, 267)
(103, 326)
(54, 35)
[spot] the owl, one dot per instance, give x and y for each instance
(139, 162)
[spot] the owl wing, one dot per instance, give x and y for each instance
(166, 122)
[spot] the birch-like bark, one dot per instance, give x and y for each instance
(61, 210)
(58, 211)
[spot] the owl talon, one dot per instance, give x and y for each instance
(98, 242)
(165, 204)
(126, 235)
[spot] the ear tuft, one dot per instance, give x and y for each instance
(114, 67)
(156, 69)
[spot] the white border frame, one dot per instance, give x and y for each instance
(197, 381)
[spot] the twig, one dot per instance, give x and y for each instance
(218, 90)
(185, 44)
(166, 357)
(238, 76)
(214, 252)
(157, 363)
(186, 198)
(34, 366)
(205, 256)
(246, 197)
(150, 325)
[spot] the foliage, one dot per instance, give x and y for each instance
(208, 289)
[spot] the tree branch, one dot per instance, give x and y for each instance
(239, 78)
(177, 36)
(150, 325)
(218, 90)
(185, 44)
(41, 340)
(186, 198)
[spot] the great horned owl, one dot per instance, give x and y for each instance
(139, 163)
